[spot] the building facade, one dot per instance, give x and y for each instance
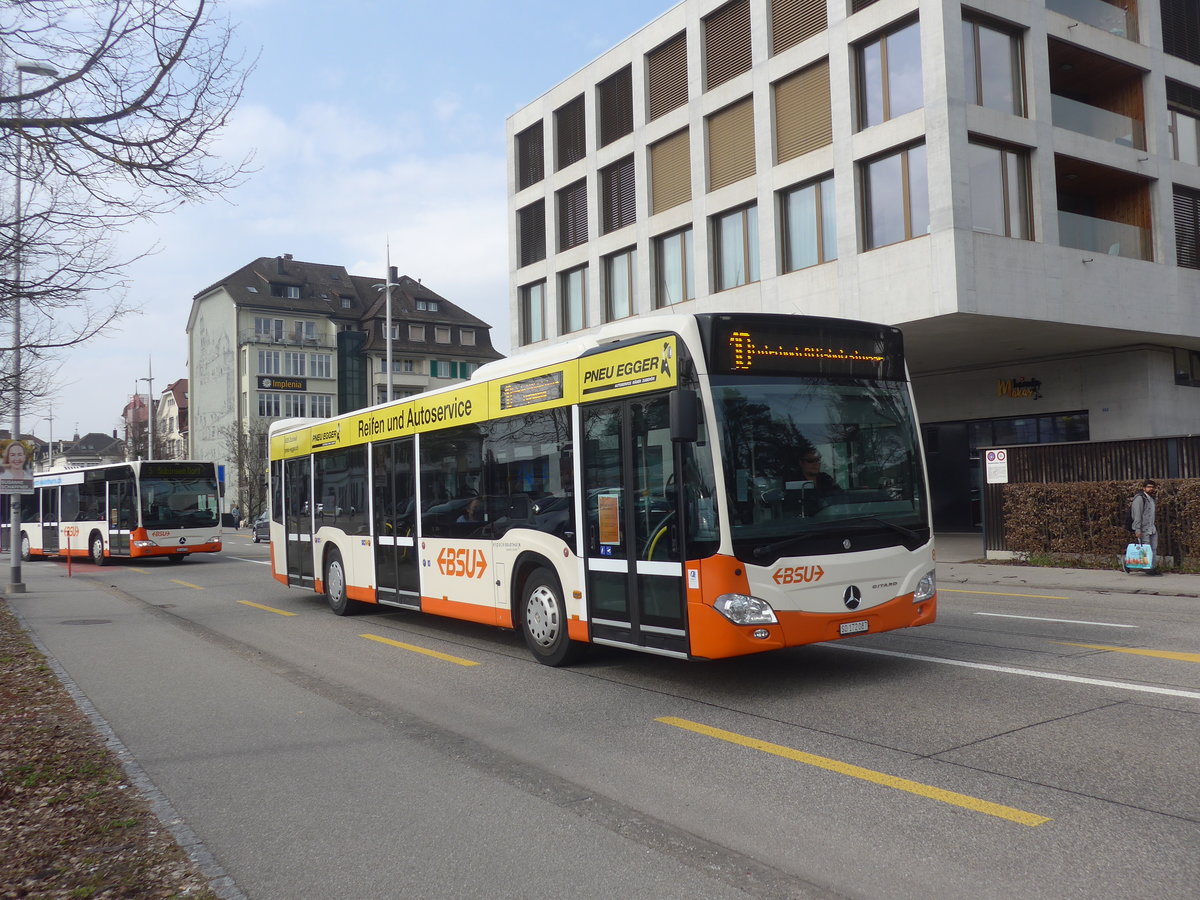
(171, 421)
(281, 338)
(1013, 183)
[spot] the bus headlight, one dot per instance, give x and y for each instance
(926, 588)
(742, 609)
(142, 545)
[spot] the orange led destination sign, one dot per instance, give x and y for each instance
(808, 347)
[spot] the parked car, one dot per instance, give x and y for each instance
(261, 529)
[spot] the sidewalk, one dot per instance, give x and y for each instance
(959, 561)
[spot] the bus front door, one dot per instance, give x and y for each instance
(393, 476)
(298, 520)
(122, 515)
(49, 506)
(634, 552)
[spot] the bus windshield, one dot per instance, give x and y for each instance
(183, 501)
(819, 466)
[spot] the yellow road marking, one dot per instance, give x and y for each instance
(442, 656)
(1159, 654)
(282, 612)
(999, 594)
(186, 584)
(142, 571)
(901, 784)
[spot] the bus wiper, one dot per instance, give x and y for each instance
(772, 549)
(907, 532)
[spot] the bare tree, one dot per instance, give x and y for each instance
(246, 458)
(124, 130)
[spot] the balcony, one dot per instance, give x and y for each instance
(1100, 14)
(1103, 210)
(1096, 122)
(250, 336)
(1103, 236)
(1096, 95)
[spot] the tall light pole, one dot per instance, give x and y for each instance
(387, 324)
(149, 411)
(15, 585)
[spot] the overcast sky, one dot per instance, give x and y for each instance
(369, 120)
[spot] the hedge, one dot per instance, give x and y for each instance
(1084, 521)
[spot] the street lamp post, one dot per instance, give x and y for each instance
(149, 411)
(15, 584)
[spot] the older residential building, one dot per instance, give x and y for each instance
(281, 338)
(171, 421)
(1014, 184)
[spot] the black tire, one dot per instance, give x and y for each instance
(96, 549)
(335, 587)
(544, 621)
(25, 547)
(177, 557)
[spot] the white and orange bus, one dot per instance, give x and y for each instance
(138, 509)
(697, 486)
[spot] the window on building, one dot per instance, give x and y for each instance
(860, 5)
(572, 300)
(294, 364)
(441, 334)
(295, 405)
(731, 144)
(1183, 101)
(268, 328)
(1187, 367)
(572, 215)
(321, 365)
(618, 206)
(670, 172)
(1181, 29)
(531, 232)
(809, 225)
(667, 77)
(288, 291)
(533, 312)
(347, 302)
(427, 305)
(531, 166)
(1000, 190)
(614, 101)
(895, 197)
(619, 269)
(304, 331)
(674, 268)
(1187, 227)
(409, 367)
(268, 405)
(803, 119)
(268, 362)
(321, 405)
(993, 67)
(793, 21)
(466, 337)
(416, 332)
(727, 50)
(439, 368)
(735, 248)
(570, 133)
(889, 75)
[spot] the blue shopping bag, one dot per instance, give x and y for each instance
(1138, 557)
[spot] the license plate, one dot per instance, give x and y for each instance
(852, 627)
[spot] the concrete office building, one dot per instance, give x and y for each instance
(1013, 183)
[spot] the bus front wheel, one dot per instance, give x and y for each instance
(97, 545)
(544, 621)
(335, 586)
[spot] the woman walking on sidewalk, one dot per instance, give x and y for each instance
(1141, 514)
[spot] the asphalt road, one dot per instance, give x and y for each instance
(1026, 745)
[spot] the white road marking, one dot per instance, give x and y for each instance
(1068, 621)
(1032, 673)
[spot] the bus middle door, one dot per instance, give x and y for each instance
(298, 520)
(634, 551)
(398, 577)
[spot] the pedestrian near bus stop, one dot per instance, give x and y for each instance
(1142, 511)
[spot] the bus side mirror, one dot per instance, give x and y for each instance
(685, 416)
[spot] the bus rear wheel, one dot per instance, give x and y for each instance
(97, 549)
(335, 587)
(544, 621)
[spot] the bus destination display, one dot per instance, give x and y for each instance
(870, 352)
(531, 391)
